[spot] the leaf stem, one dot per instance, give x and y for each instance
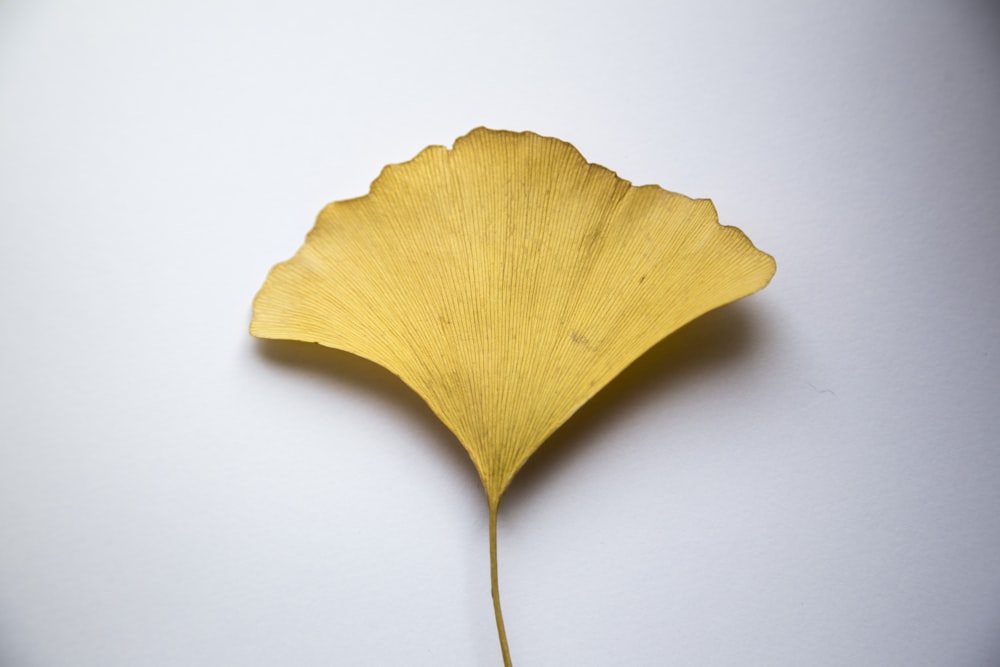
(495, 584)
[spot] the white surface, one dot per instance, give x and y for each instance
(809, 477)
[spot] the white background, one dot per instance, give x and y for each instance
(808, 477)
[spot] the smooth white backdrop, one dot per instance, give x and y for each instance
(808, 477)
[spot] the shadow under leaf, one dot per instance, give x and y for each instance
(707, 345)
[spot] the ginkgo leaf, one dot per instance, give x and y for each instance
(506, 281)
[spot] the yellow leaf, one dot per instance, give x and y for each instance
(506, 281)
